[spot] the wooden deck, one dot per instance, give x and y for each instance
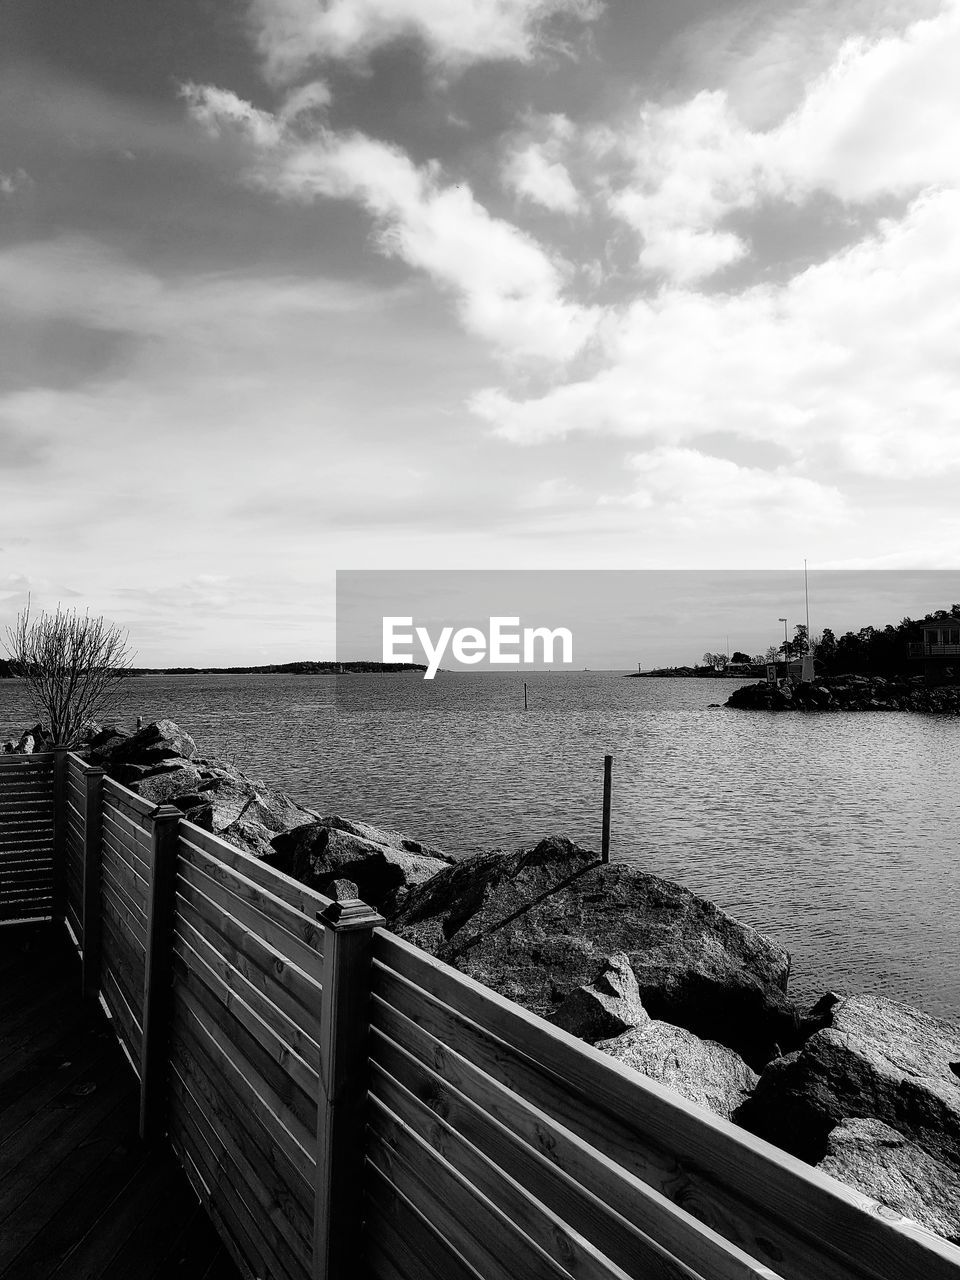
(80, 1195)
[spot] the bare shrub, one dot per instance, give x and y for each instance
(71, 664)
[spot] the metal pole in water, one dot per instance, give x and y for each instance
(524, 695)
(605, 837)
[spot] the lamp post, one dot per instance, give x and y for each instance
(785, 643)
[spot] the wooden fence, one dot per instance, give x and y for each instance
(346, 1105)
(26, 837)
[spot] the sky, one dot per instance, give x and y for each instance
(291, 286)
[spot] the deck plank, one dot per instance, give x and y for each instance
(80, 1196)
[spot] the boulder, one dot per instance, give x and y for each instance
(878, 1160)
(196, 810)
(877, 1059)
(608, 1007)
(535, 924)
(703, 1071)
(250, 836)
(155, 741)
(229, 796)
(165, 785)
(378, 862)
(277, 811)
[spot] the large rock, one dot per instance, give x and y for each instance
(702, 1071)
(871, 1157)
(608, 1007)
(378, 862)
(250, 836)
(876, 1060)
(695, 966)
(155, 741)
(164, 786)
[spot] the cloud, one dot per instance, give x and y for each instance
(79, 279)
(293, 35)
(879, 121)
(851, 364)
(691, 489)
(509, 290)
(534, 167)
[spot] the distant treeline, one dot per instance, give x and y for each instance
(272, 668)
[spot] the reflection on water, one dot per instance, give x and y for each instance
(835, 834)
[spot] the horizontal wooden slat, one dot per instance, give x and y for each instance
(133, 885)
(225, 1093)
(285, 929)
(287, 986)
(126, 968)
(500, 1185)
(116, 795)
(482, 1235)
(288, 1129)
(126, 1022)
(277, 882)
(401, 1235)
(228, 1215)
(133, 840)
(253, 1033)
(131, 911)
(261, 992)
(620, 1213)
(787, 1204)
(244, 1166)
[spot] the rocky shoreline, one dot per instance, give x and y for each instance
(851, 693)
(665, 982)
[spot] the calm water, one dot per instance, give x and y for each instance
(837, 835)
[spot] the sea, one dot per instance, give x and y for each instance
(837, 835)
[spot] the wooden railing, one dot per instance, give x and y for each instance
(346, 1105)
(26, 837)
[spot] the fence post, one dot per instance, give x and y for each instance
(165, 821)
(60, 832)
(90, 907)
(344, 1027)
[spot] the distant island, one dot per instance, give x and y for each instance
(268, 669)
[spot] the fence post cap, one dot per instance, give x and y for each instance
(351, 913)
(166, 813)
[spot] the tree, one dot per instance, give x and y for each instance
(739, 656)
(71, 664)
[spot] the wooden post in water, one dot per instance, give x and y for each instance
(607, 784)
(90, 906)
(524, 695)
(344, 1028)
(165, 820)
(60, 832)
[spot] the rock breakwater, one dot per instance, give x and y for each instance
(851, 693)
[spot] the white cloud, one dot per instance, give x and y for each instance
(509, 290)
(294, 34)
(534, 167)
(879, 121)
(688, 488)
(851, 364)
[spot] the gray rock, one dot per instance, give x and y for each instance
(277, 811)
(877, 1059)
(155, 741)
(379, 862)
(250, 836)
(703, 1071)
(878, 1160)
(165, 785)
(608, 1007)
(535, 924)
(229, 796)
